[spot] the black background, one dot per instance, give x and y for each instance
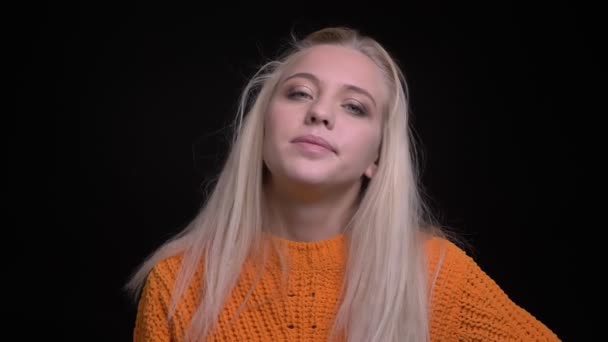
(132, 104)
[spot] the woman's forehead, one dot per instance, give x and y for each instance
(339, 65)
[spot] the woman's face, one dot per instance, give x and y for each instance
(334, 93)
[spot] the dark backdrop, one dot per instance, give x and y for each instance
(135, 100)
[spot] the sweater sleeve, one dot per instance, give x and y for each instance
(151, 323)
(488, 314)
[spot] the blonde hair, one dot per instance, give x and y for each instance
(384, 294)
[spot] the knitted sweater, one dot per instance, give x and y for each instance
(466, 304)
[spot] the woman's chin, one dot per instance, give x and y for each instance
(311, 180)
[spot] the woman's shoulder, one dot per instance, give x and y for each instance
(438, 246)
(452, 267)
(450, 256)
(460, 287)
(166, 269)
(168, 264)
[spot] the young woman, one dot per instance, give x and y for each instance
(315, 229)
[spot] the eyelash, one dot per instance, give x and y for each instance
(298, 94)
(353, 108)
(359, 110)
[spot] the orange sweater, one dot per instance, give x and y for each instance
(466, 304)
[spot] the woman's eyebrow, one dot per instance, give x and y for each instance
(361, 91)
(306, 75)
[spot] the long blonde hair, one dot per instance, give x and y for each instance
(384, 294)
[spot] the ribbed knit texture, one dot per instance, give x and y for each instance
(466, 304)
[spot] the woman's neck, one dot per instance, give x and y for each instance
(302, 214)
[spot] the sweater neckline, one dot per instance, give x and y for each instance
(328, 253)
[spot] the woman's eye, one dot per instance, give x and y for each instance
(298, 94)
(355, 108)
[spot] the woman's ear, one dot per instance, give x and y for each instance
(371, 170)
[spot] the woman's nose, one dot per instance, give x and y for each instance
(320, 113)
